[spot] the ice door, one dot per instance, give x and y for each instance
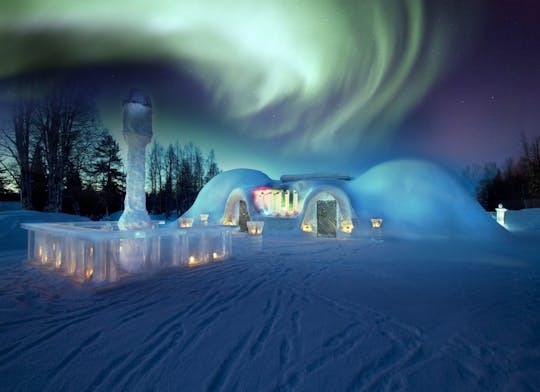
(326, 218)
(243, 215)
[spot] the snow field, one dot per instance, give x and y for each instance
(287, 314)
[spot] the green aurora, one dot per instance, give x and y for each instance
(303, 74)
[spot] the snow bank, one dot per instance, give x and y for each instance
(523, 220)
(10, 205)
(13, 237)
(418, 199)
(212, 199)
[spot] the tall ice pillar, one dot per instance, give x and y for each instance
(295, 202)
(137, 134)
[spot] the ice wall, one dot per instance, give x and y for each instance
(137, 134)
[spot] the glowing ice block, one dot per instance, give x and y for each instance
(99, 252)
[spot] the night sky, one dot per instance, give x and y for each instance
(305, 86)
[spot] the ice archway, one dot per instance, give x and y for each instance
(344, 213)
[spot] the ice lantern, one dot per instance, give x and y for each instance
(204, 219)
(376, 223)
(347, 226)
(185, 222)
(255, 227)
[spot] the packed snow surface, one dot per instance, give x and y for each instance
(286, 313)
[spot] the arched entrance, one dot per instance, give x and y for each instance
(327, 212)
(326, 218)
(236, 210)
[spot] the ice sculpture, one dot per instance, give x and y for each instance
(137, 134)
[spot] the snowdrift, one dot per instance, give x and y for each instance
(418, 199)
(527, 220)
(13, 237)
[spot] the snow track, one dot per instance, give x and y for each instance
(298, 314)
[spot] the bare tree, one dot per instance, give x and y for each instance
(62, 118)
(16, 145)
(212, 168)
(198, 168)
(170, 164)
(3, 186)
(155, 170)
(531, 164)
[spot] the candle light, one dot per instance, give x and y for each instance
(376, 223)
(185, 222)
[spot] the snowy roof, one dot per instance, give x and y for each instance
(314, 176)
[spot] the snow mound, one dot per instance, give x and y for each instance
(523, 220)
(13, 237)
(213, 197)
(419, 199)
(10, 205)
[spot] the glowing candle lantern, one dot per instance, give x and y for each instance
(204, 219)
(376, 223)
(306, 227)
(500, 214)
(216, 256)
(255, 227)
(193, 261)
(347, 226)
(88, 273)
(185, 222)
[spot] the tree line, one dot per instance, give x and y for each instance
(175, 175)
(55, 152)
(516, 185)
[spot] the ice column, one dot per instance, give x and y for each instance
(137, 134)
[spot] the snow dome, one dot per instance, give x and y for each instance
(224, 192)
(418, 199)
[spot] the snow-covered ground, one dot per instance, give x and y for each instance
(287, 313)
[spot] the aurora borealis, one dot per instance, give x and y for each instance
(294, 82)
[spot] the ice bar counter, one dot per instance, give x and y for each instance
(98, 252)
